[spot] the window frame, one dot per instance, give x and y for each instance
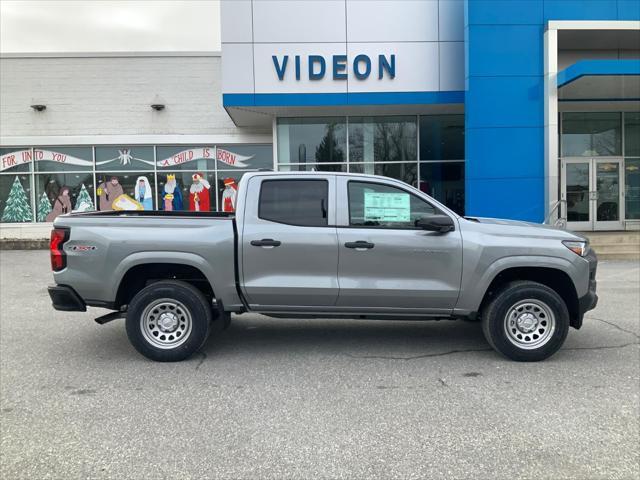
(438, 211)
(267, 180)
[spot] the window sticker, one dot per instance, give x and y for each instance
(387, 207)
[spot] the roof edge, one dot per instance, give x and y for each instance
(113, 54)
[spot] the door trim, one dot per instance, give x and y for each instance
(582, 225)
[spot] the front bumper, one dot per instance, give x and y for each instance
(590, 299)
(66, 299)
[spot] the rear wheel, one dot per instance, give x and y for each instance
(526, 321)
(168, 321)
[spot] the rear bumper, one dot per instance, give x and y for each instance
(66, 299)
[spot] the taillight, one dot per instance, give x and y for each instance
(58, 258)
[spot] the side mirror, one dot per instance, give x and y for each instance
(436, 223)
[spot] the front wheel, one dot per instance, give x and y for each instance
(526, 321)
(168, 321)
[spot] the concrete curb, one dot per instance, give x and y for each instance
(24, 244)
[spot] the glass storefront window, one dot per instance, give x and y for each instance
(58, 193)
(175, 191)
(632, 134)
(406, 172)
(382, 139)
(591, 134)
(15, 160)
(15, 198)
(237, 157)
(113, 184)
(312, 140)
(309, 167)
(442, 137)
(63, 159)
(193, 159)
(632, 188)
(134, 158)
(444, 181)
(39, 183)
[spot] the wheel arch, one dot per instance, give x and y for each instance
(552, 277)
(138, 270)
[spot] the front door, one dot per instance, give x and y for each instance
(592, 193)
(289, 252)
(385, 263)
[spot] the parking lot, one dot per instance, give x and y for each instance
(314, 398)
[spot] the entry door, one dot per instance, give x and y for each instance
(608, 204)
(386, 264)
(289, 243)
(592, 193)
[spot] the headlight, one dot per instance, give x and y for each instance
(576, 246)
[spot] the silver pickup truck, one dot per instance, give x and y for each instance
(322, 245)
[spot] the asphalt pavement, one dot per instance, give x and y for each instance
(306, 399)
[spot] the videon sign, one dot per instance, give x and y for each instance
(316, 66)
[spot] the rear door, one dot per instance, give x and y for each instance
(385, 262)
(289, 254)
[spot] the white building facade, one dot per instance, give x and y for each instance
(523, 110)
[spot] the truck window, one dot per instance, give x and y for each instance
(383, 206)
(294, 202)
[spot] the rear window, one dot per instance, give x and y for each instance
(294, 202)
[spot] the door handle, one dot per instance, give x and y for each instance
(360, 244)
(266, 242)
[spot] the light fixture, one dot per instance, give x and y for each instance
(39, 107)
(157, 103)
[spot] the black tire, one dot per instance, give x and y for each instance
(533, 331)
(189, 321)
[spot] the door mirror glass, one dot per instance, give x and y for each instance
(436, 223)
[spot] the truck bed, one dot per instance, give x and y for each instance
(103, 247)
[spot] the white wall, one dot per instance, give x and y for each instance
(111, 95)
(426, 36)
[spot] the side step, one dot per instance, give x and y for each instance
(109, 317)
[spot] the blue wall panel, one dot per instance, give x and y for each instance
(522, 162)
(507, 12)
(504, 99)
(580, 10)
(501, 50)
(505, 102)
(628, 9)
(519, 198)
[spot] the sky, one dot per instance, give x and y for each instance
(109, 25)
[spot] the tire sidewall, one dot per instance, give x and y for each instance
(193, 301)
(497, 311)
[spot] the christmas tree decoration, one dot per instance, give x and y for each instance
(44, 208)
(84, 203)
(17, 208)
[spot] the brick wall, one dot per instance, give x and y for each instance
(110, 95)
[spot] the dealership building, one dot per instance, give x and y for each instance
(521, 109)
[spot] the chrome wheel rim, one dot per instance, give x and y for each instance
(529, 324)
(166, 323)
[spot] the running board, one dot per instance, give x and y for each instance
(109, 317)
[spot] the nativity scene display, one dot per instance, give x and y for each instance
(57, 200)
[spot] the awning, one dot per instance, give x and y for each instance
(595, 80)
(259, 109)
